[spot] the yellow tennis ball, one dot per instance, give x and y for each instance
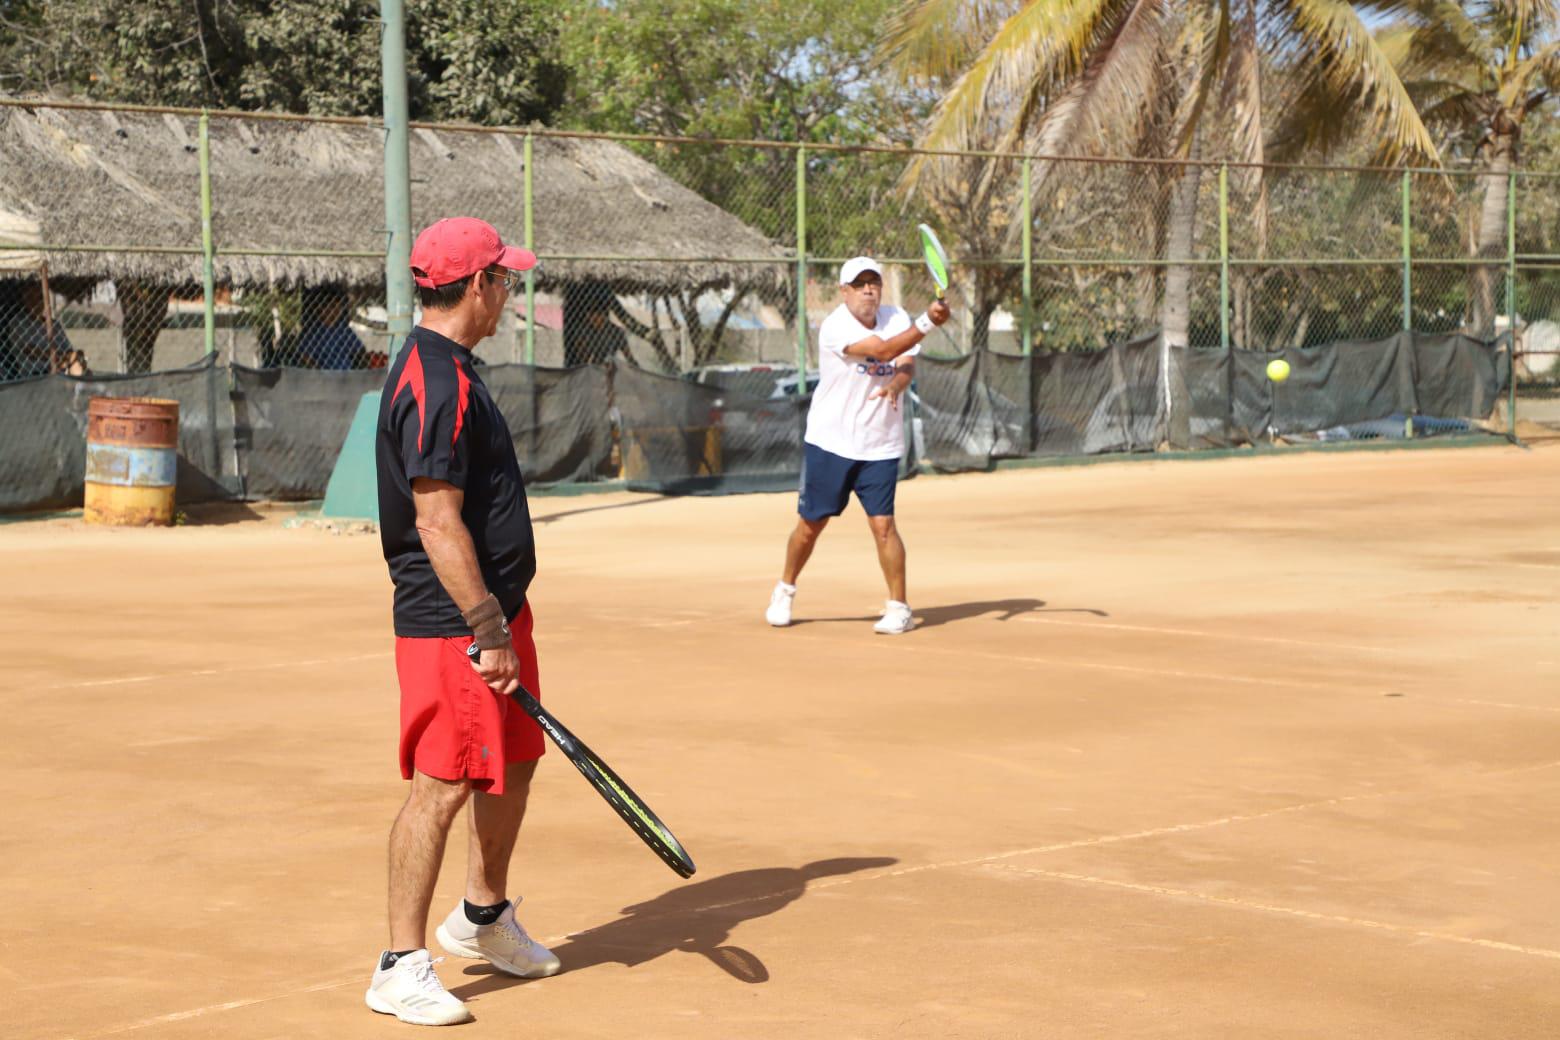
(1278, 370)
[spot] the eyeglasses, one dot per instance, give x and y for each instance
(511, 280)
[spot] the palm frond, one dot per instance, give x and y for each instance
(1397, 43)
(1350, 60)
(1308, 121)
(1243, 96)
(1437, 62)
(1048, 41)
(1537, 68)
(1456, 110)
(937, 39)
(1111, 99)
(1205, 45)
(1445, 37)
(1034, 53)
(1548, 69)
(1528, 17)
(1106, 99)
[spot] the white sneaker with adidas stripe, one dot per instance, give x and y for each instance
(410, 990)
(505, 944)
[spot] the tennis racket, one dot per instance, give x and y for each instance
(936, 258)
(608, 784)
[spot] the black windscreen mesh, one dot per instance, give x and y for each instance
(276, 433)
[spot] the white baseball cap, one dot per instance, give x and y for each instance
(853, 268)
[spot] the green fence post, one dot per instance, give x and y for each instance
(1224, 256)
(208, 271)
(1408, 253)
(1026, 322)
(1511, 297)
(801, 270)
(530, 276)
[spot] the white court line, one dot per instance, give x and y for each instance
(231, 1005)
(198, 672)
(1234, 636)
(1101, 666)
(1501, 704)
(1504, 563)
(1289, 911)
(993, 859)
(1179, 828)
(1152, 832)
(1305, 684)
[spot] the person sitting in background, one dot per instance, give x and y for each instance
(32, 343)
(604, 339)
(325, 340)
(589, 335)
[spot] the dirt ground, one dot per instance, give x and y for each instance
(1263, 747)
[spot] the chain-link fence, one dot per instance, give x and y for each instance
(136, 239)
(1535, 288)
(679, 254)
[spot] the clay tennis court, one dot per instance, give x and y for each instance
(1262, 747)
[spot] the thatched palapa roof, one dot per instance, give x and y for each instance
(282, 190)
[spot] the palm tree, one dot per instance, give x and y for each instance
(1138, 77)
(1477, 71)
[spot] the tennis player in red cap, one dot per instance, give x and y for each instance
(457, 536)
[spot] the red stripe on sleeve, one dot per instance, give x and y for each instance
(462, 399)
(412, 376)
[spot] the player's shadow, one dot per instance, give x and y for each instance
(697, 918)
(1004, 609)
(552, 517)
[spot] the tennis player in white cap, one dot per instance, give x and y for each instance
(855, 433)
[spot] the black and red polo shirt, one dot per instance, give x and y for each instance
(437, 420)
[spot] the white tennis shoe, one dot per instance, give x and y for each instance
(503, 944)
(411, 991)
(896, 619)
(779, 612)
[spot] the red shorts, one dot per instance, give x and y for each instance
(453, 726)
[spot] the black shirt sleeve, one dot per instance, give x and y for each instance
(429, 415)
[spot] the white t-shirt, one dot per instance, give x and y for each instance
(845, 418)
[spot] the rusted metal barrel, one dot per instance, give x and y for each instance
(132, 460)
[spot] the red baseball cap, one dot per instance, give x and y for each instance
(457, 247)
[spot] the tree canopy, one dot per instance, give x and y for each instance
(781, 70)
(467, 60)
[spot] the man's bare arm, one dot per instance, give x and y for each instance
(448, 544)
(880, 349)
(447, 541)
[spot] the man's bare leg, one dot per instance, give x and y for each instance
(493, 827)
(493, 933)
(800, 547)
(891, 554)
(416, 850)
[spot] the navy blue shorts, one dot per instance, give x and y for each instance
(828, 479)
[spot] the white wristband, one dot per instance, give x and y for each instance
(925, 324)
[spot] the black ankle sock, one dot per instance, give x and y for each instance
(389, 957)
(481, 915)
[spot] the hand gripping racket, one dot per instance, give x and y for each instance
(608, 784)
(936, 258)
